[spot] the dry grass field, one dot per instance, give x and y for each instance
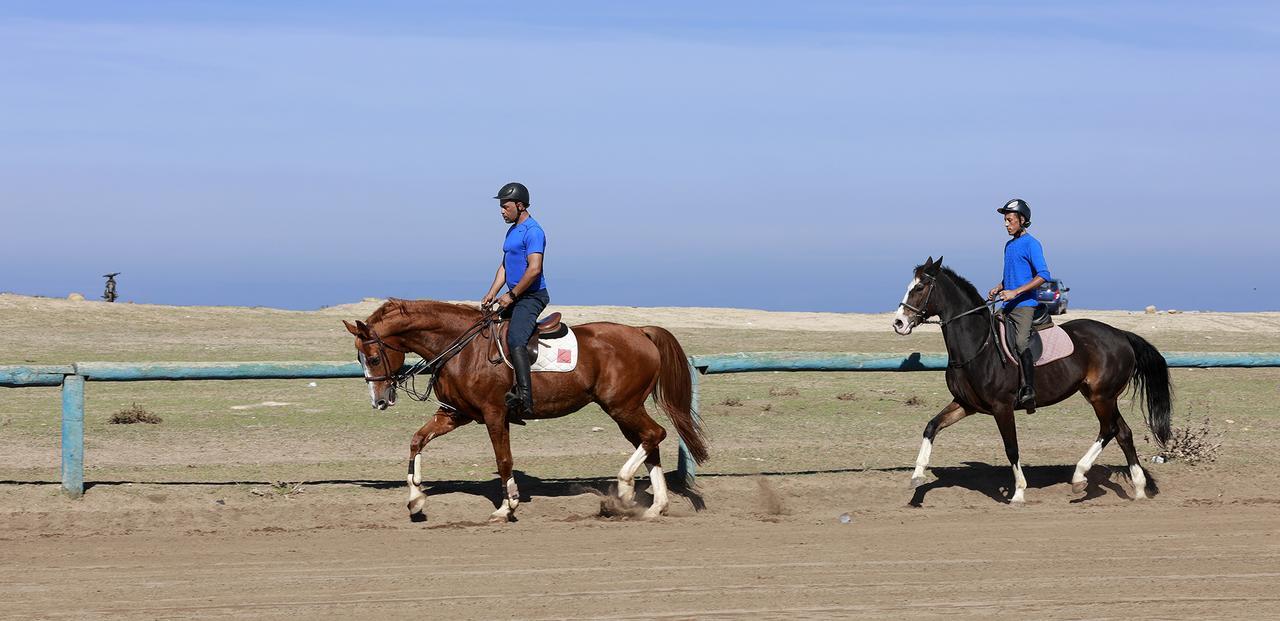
(273, 499)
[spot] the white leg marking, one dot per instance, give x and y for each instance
(1019, 485)
(627, 475)
(417, 499)
(417, 469)
(1086, 463)
(922, 460)
(658, 481)
(1139, 482)
(505, 512)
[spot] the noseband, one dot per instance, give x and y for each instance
(921, 315)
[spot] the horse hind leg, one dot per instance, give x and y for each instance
(1106, 431)
(1124, 437)
(646, 434)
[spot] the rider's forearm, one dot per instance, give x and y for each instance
(499, 279)
(1035, 282)
(526, 281)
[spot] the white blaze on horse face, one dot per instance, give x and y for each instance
(364, 365)
(901, 322)
(1086, 462)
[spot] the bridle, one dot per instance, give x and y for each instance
(404, 379)
(921, 318)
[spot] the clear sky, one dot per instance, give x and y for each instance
(785, 156)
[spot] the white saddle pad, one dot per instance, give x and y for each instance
(555, 355)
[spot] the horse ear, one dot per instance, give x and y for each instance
(929, 262)
(939, 261)
(352, 328)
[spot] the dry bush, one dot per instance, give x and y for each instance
(913, 400)
(731, 402)
(134, 414)
(848, 396)
(1192, 443)
(785, 391)
(766, 407)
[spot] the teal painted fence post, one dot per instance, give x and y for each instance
(73, 435)
(686, 467)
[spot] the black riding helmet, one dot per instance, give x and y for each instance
(514, 192)
(1018, 206)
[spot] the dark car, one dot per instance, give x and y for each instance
(1053, 296)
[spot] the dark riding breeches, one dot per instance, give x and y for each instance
(1021, 318)
(523, 315)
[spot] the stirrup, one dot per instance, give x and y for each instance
(1026, 399)
(515, 406)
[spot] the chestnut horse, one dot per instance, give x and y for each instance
(1105, 362)
(618, 368)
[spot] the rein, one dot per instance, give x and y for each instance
(406, 380)
(921, 315)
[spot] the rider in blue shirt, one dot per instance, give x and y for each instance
(1024, 271)
(526, 296)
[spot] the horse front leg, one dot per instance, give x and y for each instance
(1009, 433)
(949, 415)
(500, 436)
(443, 422)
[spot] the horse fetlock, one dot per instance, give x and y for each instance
(1078, 487)
(916, 482)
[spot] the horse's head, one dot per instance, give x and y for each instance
(918, 303)
(381, 357)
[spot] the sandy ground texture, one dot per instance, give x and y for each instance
(281, 499)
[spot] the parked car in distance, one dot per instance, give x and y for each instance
(1053, 296)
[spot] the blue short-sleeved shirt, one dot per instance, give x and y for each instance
(523, 239)
(1023, 261)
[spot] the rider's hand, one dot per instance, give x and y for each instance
(506, 300)
(486, 301)
(991, 295)
(1008, 295)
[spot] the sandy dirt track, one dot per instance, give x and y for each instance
(182, 521)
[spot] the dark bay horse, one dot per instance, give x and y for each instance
(1105, 362)
(618, 368)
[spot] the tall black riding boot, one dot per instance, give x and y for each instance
(1027, 393)
(520, 399)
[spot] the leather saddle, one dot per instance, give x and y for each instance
(1041, 320)
(548, 328)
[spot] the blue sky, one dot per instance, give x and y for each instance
(790, 157)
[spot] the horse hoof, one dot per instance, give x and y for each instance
(1078, 487)
(499, 518)
(651, 514)
(417, 517)
(916, 482)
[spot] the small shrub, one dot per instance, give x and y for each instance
(913, 400)
(848, 396)
(766, 407)
(1192, 443)
(785, 391)
(731, 402)
(134, 414)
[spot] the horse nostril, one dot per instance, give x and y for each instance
(381, 404)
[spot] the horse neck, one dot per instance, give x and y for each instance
(964, 336)
(428, 330)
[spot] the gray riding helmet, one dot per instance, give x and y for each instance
(1018, 206)
(514, 192)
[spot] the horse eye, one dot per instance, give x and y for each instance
(374, 361)
(917, 288)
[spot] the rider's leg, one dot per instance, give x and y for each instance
(524, 319)
(1021, 318)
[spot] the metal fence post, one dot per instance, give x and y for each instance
(686, 467)
(73, 435)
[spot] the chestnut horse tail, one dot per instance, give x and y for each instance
(674, 391)
(1151, 378)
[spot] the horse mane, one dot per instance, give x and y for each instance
(415, 307)
(961, 282)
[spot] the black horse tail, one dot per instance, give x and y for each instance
(674, 391)
(1151, 378)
